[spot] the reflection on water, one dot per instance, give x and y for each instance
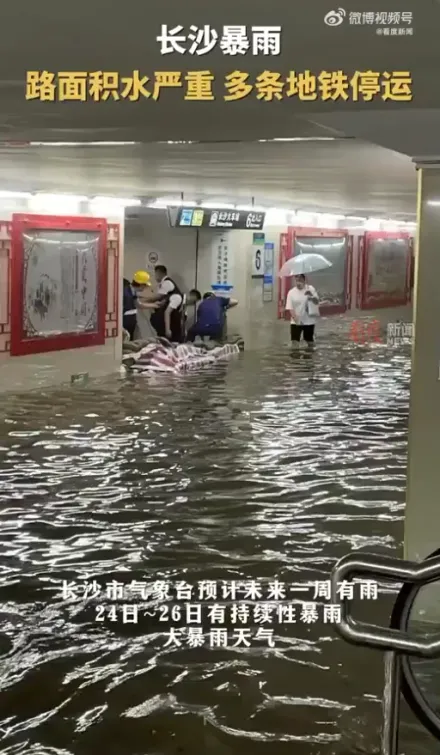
(270, 467)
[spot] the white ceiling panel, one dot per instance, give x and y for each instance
(342, 175)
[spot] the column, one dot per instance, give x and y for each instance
(422, 516)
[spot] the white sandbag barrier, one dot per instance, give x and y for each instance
(161, 356)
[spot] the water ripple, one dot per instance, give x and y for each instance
(269, 468)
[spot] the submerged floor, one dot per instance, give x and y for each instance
(272, 466)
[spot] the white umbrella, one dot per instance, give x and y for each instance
(304, 264)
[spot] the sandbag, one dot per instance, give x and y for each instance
(165, 357)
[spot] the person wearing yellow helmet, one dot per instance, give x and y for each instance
(141, 279)
(132, 299)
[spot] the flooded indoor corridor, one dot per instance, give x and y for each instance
(269, 467)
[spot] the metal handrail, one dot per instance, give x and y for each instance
(391, 570)
(394, 643)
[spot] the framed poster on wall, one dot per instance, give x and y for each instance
(58, 283)
(284, 284)
(385, 273)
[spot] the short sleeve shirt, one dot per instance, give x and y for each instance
(296, 302)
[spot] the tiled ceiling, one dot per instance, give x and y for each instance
(329, 176)
(412, 132)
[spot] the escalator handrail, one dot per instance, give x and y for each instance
(416, 700)
(391, 570)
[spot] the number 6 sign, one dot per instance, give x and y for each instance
(258, 261)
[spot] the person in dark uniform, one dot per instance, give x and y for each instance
(167, 320)
(131, 292)
(211, 317)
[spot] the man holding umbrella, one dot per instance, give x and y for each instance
(302, 301)
(302, 304)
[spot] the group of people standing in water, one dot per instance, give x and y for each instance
(168, 308)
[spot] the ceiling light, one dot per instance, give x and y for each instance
(356, 217)
(434, 202)
(405, 224)
(157, 205)
(326, 219)
(305, 217)
(82, 144)
(15, 195)
(43, 197)
(275, 216)
(120, 201)
(54, 203)
(219, 206)
(373, 224)
(175, 202)
(62, 197)
(172, 142)
(250, 208)
(301, 139)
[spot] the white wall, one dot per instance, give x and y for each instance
(150, 234)
(42, 370)
(240, 243)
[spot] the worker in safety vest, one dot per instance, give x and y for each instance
(132, 299)
(167, 320)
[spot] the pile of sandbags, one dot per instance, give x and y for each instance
(208, 344)
(132, 347)
(158, 355)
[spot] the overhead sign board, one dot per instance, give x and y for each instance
(200, 217)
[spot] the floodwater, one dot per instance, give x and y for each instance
(269, 468)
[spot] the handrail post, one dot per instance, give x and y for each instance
(394, 642)
(391, 704)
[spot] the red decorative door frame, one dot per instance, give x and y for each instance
(359, 270)
(293, 231)
(113, 279)
(375, 299)
(349, 274)
(20, 343)
(5, 286)
(283, 283)
(412, 269)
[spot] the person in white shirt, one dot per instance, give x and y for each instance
(302, 321)
(167, 320)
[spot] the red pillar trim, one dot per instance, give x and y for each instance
(5, 286)
(113, 253)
